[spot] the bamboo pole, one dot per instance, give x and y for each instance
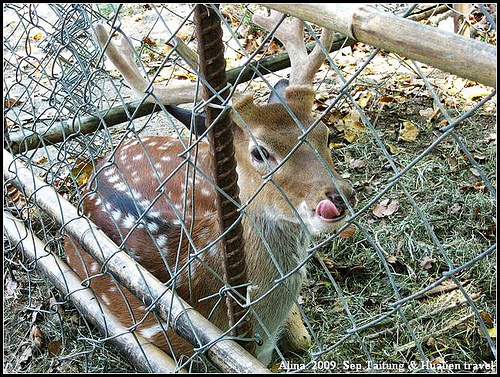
(228, 355)
(447, 51)
(134, 347)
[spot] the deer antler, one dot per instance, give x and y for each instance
(121, 55)
(304, 66)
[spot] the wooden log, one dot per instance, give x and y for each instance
(135, 348)
(429, 10)
(228, 355)
(49, 134)
(447, 51)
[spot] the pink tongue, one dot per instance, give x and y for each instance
(327, 210)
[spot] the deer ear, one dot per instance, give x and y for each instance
(300, 98)
(244, 108)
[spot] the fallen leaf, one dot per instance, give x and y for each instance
(348, 232)
(392, 148)
(357, 164)
(352, 129)
(40, 160)
(439, 360)
(82, 171)
(430, 342)
(333, 145)
(491, 138)
(409, 131)
(36, 335)
(492, 332)
(386, 99)
(390, 258)
(186, 32)
(475, 172)
(479, 158)
(11, 102)
(475, 91)
(54, 348)
(486, 317)
(477, 186)
(395, 264)
(185, 76)
(385, 208)
(426, 263)
(427, 113)
(455, 208)
(148, 41)
(10, 288)
(37, 36)
(364, 98)
(26, 355)
(339, 272)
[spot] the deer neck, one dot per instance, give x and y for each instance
(273, 249)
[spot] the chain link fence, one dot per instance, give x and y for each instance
(407, 284)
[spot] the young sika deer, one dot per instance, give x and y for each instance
(141, 198)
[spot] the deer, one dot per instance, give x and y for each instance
(149, 197)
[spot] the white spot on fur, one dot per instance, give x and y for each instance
(114, 178)
(109, 172)
(166, 158)
(165, 146)
(136, 194)
(137, 157)
(153, 227)
(129, 221)
(116, 214)
(161, 240)
(106, 299)
(155, 214)
(121, 187)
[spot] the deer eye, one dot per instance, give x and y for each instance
(259, 156)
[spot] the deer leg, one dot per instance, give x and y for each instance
(295, 337)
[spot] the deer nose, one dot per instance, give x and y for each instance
(337, 199)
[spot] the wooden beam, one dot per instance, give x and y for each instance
(449, 52)
(134, 347)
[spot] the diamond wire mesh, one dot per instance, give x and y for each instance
(424, 220)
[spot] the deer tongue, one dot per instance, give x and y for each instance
(327, 210)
